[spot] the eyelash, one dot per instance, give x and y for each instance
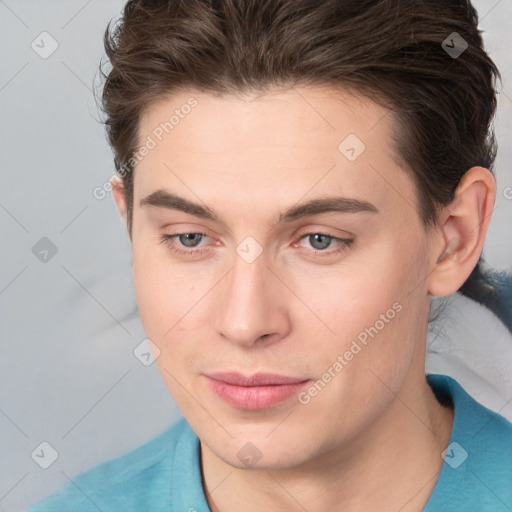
(343, 243)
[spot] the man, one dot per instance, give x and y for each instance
(298, 179)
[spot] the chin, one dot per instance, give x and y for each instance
(247, 452)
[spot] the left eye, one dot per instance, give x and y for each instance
(321, 241)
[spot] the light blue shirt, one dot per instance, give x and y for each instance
(165, 474)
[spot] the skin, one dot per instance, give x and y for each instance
(372, 438)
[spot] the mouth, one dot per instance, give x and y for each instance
(254, 392)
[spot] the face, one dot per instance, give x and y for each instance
(250, 281)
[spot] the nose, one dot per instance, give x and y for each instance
(252, 305)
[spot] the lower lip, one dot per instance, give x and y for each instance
(255, 398)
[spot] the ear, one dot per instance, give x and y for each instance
(118, 195)
(461, 231)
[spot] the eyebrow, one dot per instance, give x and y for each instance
(164, 199)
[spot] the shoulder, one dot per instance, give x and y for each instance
(127, 481)
(474, 423)
(477, 472)
(488, 436)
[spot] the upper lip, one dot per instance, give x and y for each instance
(258, 379)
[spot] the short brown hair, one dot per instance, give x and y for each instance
(394, 53)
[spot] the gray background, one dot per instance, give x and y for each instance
(69, 325)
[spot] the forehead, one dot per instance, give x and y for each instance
(308, 115)
(280, 145)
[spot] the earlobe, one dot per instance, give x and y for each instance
(461, 232)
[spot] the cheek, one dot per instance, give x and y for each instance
(374, 302)
(395, 304)
(173, 305)
(375, 319)
(160, 294)
(352, 295)
(166, 306)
